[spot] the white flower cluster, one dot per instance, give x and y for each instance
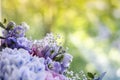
(76, 76)
(20, 65)
(48, 40)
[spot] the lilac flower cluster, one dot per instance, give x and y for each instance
(20, 65)
(14, 36)
(56, 57)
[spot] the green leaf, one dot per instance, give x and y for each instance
(95, 74)
(52, 51)
(59, 57)
(90, 75)
(10, 25)
(2, 26)
(50, 66)
(5, 20)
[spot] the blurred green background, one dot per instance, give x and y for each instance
(89, 28)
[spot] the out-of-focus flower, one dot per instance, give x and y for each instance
(100, 77)
(25, 26)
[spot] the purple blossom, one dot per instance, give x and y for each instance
(24, 43)
(36, 50)
(52, 65)
(13, 42)
(10, 42)
(67, 59)
(51, 52)
(19, 31)
(56, 61)
(14, 30)
(7, 33)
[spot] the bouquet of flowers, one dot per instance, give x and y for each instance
(25, 59)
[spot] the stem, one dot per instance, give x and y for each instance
(2, 37)
(2, 26)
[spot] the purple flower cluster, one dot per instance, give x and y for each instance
(14, 37)
(56, 57)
